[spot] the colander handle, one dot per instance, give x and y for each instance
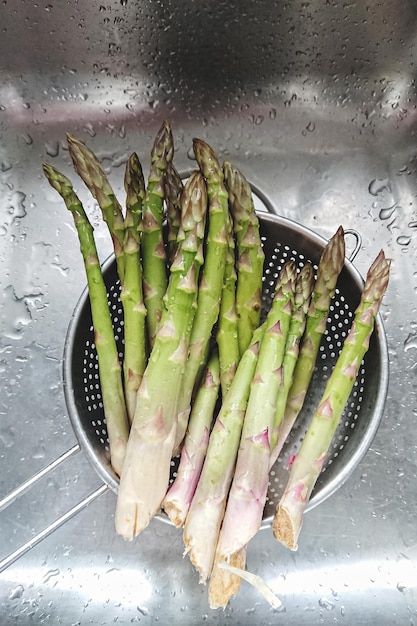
(8, 560)
(358, 242)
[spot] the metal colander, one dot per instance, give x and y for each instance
(283, 240)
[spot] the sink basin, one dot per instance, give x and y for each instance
(316, 103)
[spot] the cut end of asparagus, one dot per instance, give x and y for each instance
(174, 513)
(284, 528)
(224, 583)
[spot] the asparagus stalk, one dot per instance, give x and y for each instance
(88, 167)
(249, 487)
(210, 289)
(309, 460)
(173, 190)
(303, 289)
(329, 268)
(249, 251)
(153, 249)
(131, 295)
(227, 331)
(205, 515)
(146, 470)
(180, 494)
(110, 372)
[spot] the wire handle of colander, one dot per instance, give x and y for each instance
(357, 245)
(31, 483)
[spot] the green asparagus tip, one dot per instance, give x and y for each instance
(207, 160)
(164, 143)
(71, 139)
(134, 175)
(56, 179)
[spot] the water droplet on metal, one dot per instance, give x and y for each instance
(410, 342)
(326, 604)
(386, 213)
(16, 592)
(17, 313)
(5, 166)
(52, 148)
(40, 453)
(17, 206)
(50, 574)
(311, 127)
(378, 186)
(403, 240)
(27, 139)
(7, 437)
(90, 129)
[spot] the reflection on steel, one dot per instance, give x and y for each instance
(316, 103)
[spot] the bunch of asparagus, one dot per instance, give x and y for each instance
(203, 376)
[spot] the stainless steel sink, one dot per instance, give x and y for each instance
(316, 103)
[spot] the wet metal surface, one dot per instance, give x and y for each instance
(316, 103)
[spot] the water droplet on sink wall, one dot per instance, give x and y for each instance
(17, 207)
(15, 314)
(7, 437)
(379, 185)
(410, 342)
(16, 592)
(5, 166)
(386, 213)
(403, 240)
(28, 139)
(52, 148)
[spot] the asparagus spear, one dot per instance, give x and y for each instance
(329, 268)
(211, 283)
(153, 249)
(88, 167)
(180, 494)
(110, 372)
(303, 289)
(173, 190)
(309, 460)
(204, 518)
(131, 295)
(249, 487)
(249, 251)
(146, 470)
(227, 330)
